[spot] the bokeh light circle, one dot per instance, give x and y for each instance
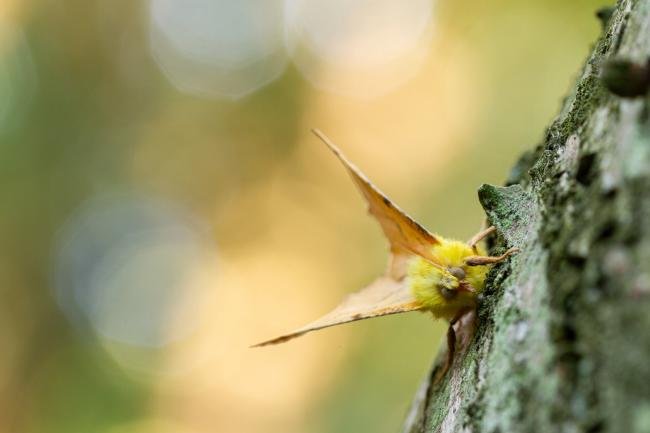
(361, 48)
(125, 267)
(218, 48)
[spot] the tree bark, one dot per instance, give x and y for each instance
(563, 336)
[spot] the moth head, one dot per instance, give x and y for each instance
(457, 272)
(453, 282)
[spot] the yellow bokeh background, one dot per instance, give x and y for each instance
(230, 203)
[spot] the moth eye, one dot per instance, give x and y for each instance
(447, 293)
(457, 272)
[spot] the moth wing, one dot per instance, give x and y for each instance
(404, 234)
(383, 297)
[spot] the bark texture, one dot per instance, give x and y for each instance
(563, 340)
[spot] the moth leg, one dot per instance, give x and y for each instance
(451, 347)
(451, 344)
(478, 237)
(489, 260)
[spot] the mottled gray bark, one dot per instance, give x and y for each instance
(563, 339)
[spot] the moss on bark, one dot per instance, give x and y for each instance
(563, 340)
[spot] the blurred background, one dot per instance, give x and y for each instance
(164, 204)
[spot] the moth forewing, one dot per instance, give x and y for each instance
(383, 297)
(403, 233)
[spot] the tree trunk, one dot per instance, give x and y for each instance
(563, 337)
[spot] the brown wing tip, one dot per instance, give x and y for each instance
(277, 340)
(325, 139)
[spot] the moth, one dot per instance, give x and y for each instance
(425, 272)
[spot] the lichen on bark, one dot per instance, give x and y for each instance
(563, 339)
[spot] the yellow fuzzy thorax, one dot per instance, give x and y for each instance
(428, 281)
